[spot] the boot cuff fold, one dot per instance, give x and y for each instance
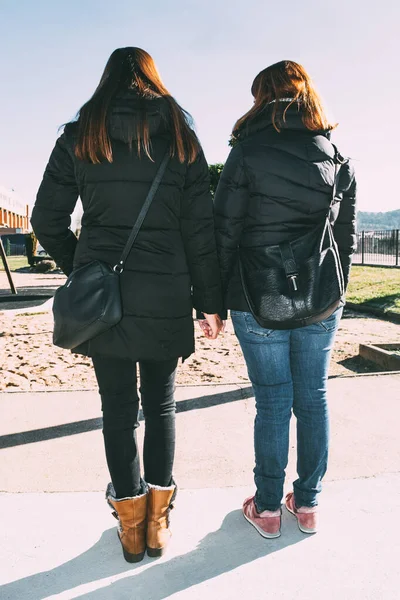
(160, 488)
(173, 487)
(110, 492)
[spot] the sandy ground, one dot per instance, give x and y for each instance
(31, 362)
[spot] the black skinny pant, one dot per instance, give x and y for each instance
(117, 380)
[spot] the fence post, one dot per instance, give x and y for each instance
(362, 247)
(397, 247)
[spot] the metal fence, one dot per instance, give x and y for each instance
(378, 248)
(15, 249)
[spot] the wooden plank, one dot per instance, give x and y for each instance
(7, 268)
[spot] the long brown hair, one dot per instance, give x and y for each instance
(131, 68)
(286, 80)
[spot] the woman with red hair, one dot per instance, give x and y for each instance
(284, 181)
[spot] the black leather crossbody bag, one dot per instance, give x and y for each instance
(297, 283)
(89, 303)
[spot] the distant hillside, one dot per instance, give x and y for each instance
(372, 221)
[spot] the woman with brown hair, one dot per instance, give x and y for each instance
(285, 186)
(109, 157)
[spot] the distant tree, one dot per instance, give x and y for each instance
(30, 245)
(373, 221)
(215, 174)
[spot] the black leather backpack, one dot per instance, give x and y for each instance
(297, 283)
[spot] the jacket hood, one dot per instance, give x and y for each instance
(129, 108)
(293, 121)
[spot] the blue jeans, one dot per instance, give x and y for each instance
(289, 371)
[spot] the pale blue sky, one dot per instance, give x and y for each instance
(208, 52)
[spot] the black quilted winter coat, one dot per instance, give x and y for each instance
(173, 265)
(275, 187)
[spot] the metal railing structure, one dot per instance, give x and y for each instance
(17, 250)
(373, 248)
(379, 248)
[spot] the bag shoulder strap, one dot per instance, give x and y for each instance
(286, 250)
(119, 267)
(338, 160)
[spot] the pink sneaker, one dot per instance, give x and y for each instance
(306, 515)
(267, 523)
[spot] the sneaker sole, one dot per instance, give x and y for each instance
(268, 536)
(302, 529)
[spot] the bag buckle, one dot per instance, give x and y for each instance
(118, 268)
(292, 280)
(340, 159)
(289, 264)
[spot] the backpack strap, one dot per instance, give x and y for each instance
(288, 258)
(338, 160)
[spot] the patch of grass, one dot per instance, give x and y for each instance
(377, 287)
(15, 262)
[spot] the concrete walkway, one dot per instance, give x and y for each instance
(64, 544)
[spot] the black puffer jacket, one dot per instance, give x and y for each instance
(275, 187)
(173, 265)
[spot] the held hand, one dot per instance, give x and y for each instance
(211, 326)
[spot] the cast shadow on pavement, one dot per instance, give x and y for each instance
(235, 544)
(77, 427)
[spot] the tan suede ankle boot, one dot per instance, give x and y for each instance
(158, 509)
(132, 520)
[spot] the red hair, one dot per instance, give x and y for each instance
(286, 80)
